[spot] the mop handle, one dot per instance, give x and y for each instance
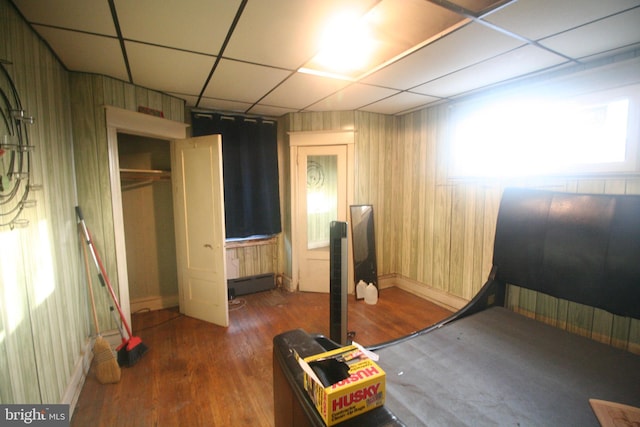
(102, 273)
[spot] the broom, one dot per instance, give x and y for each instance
(107, 368)
(132, 348)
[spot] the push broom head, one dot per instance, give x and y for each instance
(131, 351)
(107, 368)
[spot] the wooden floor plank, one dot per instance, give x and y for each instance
(199, 374)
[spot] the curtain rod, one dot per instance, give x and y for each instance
(246, 119)
(209, 115)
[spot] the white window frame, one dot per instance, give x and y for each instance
(480, 158)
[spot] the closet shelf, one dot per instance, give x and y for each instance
(144, 175)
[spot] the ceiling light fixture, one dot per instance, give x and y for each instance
(354, 46)
(347, 45)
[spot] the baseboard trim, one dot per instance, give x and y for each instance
(437, 296)
(286, 283)
(154, 303)
(78, 376)
(387, 281)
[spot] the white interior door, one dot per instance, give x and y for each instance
(199, 226)
(322, 198)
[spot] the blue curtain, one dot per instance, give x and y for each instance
(250, 171)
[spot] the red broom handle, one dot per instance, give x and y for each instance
(104, 279)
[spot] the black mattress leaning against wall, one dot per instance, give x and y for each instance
(485, 363)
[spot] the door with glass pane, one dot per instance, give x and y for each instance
(322, 198)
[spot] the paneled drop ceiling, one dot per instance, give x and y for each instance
(245, 56)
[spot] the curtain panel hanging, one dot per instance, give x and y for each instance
(250, 172)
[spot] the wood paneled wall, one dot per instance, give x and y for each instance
(436, 232)
(446, 228)
(374, 177)
(377, 181)
(90, 94)
(44, 323)
(284, 267)
(44, 320)
(256, 259)
(429, 229)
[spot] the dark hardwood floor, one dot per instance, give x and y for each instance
(199, 374)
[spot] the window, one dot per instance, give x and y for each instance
(594, 133)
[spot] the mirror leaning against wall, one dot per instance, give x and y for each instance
(364, 247)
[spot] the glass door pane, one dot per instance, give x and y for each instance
(322, 199)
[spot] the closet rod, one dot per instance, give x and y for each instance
(144, 174)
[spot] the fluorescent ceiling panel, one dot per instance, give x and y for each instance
(93, 16)
(77, 51)
(242, 81)
(168, 69)
(194, 25)
(376, 38)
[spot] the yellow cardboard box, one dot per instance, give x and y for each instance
(343, 383)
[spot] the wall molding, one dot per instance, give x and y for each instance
(154, 303)
(130, 122)
(78, 376)
(437, 296)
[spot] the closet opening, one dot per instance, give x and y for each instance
(147, 213)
